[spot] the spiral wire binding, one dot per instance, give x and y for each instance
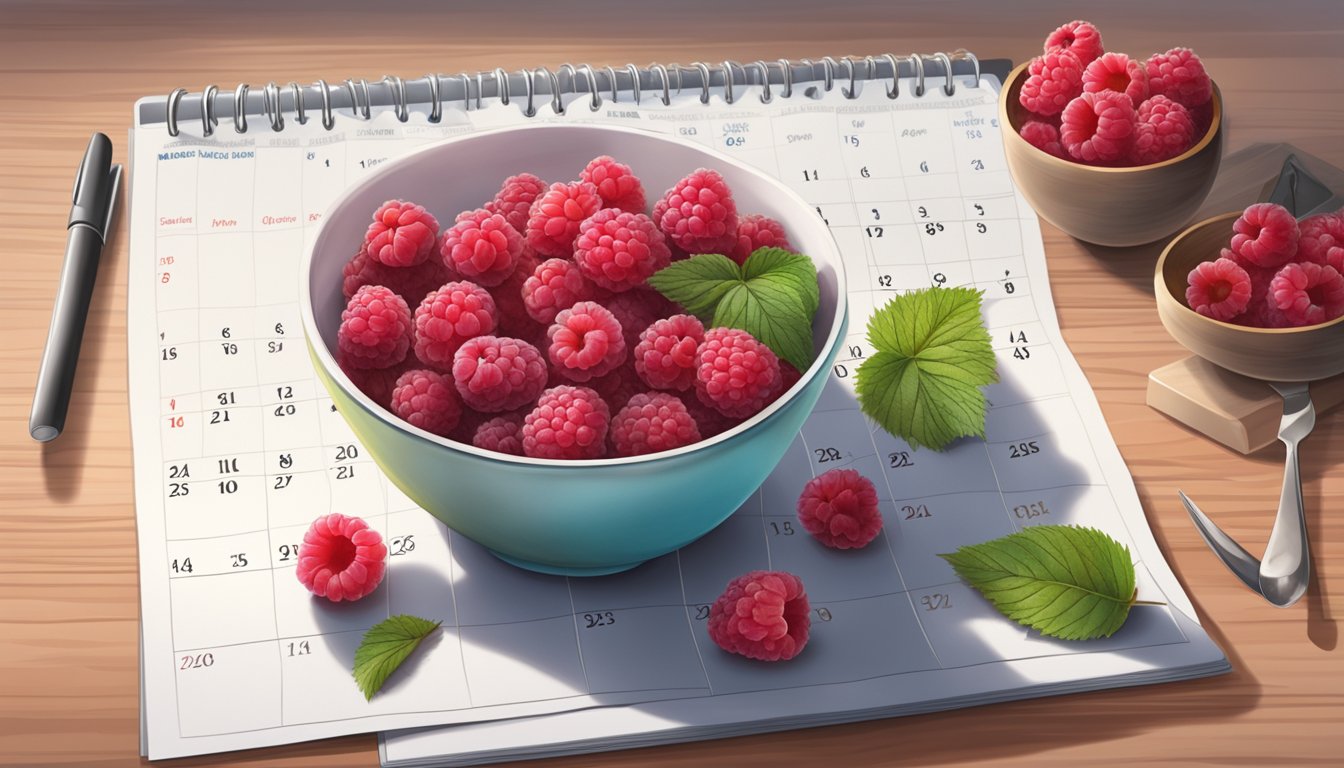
(775, 79)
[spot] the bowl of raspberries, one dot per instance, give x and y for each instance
(483, 313)
(1258, 292)
(1113, 150)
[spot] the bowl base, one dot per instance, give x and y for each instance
(559, 570)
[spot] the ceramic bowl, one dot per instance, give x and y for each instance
(1272, 354)
(566, 517)
(1110, 206)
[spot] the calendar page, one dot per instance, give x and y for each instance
(238, 449)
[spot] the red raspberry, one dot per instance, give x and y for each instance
(447, 318)
(427, 399)
(496, 374)
(471, 421)
(1117, 72)
(1308, 293)
(698, 213)
(1163, 131)
(515, 198)
(1218, 289)
(341, 558)
(737, 375)
(1043, 136)
(839, 508)
(709, 420)
(401, 235)
(411, 283)
(1322, 240)
(1053, 80)
(1077, 37)
(1098, 127)
(503, 434)
(757, 231)
(616, 184)
(652, 422)
(1179, 75)
(554, 285)
(376, 383)
(635, 310)
(375, 329)
(554, 219)
(665, 357)
(511, 316)
(618, 250)
(1266, 235)
(567, 423)
(788, 376)
(482, 247)
(585, 342)
(762, 615)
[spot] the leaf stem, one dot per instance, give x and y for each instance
(1147, 602)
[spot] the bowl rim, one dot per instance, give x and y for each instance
(1160, 283)
(327, 361)
(1010, 133)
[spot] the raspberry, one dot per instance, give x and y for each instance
(709, 420)
(401, 235)
(1043, 136)
(1117, 72)
(1308, 293)
(482, 247)
(665, 355)
(616, 184)
(1179, 75)
(698, 213)
(567, 423)
(341, 558)
(839, 508)
(495, 373)
(1260, 310)
(616, 388)
(554, 285)
(788, 376)
(757, 231)
(1218, 289)
(376, 383)
(447, 318)
(652, 422)
(427, 399)
(515, 198)
(554, 219)
(636, 309)
(511, 316)
(375, 329)
(1098, 127)
(1053, 80)
(411, 283)
(618, 250)
(1266, 235)
(1322, 240)
(503, 434)
(762, 615)
(585, 342)
(737, 375)
(1077, 37)
(1163, 131)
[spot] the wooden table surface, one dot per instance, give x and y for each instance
(68, 583)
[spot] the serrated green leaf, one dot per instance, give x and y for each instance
(698, 283)
(385, 646)
(786, 267)
(1065, 581)
(772, 312)
(933, 355)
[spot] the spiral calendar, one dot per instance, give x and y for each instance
(237, 448)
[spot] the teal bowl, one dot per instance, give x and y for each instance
(576, 518)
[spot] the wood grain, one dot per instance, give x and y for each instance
(68, 592)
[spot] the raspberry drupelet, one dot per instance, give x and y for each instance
(619, 250)
(1053, 80)
(375, 329)
(763, 615)
(496, 374)
(428, 400)
(1077, 37)
(554, 285)
(616, 184)
(567, 423)
(1098, 127)
(554, 219)
(1117, 72)
(1218, 289)
(515, 197)
(1044, 137)
(511, 317)
(1164, 129)
(698, 213)
(1179, 75)
(1322, 240)
(636, 309)
(665, 357)
(757, 231)
(1261, 312)
(839, 508)
(651, 422)
(341, 558)
(502, 434)
(1266, 235)
(585, 342)
(737, 375)
(402, 234)
(482, 247)
(449, 316)
(1308, 293)
(411, 283)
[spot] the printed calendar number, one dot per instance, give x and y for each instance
(782, 529)
(197, 661)
(1023, 449)
(181, 566)
(282, 482)
(178, 490)
(401, 545)
(300, 648)
(900, 460)
(238, 560)
(936, 601)
(347, 452)
(168, 354)
(179, 470)
(827, 454)
(916, 511)
(1029, 511)
(701, 612)
(288, 552)
(841, 371)
(599, 619)
(933, 228)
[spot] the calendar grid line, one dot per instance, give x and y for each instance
(690, 624)
(452, 586)
(578, 641)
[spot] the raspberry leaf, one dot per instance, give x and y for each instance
(1064, 581)
(933, 356)
(698, 283)
(769, 309)
(385, 646)
(786, 266)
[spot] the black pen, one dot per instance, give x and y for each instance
(93, 201)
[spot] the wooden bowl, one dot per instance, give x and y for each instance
(1272, 354)
(1110, 206)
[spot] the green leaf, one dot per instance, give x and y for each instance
(786, 267)
(698, 283)
(385, 646)
(933, 355)
(773, 312)
(1065, 581)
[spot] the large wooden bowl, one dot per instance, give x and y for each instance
(1272, 354)
(1110, 206)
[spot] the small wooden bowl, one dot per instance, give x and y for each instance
(1271, 354)
(1110, 206)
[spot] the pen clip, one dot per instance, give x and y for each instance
(79, 179)
(114, 186)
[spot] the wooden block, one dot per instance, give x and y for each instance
(1237, 411)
